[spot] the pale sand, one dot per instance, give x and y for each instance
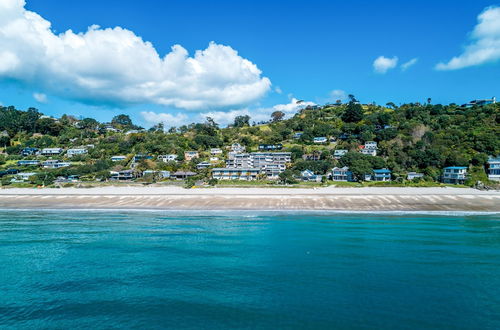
(331, 198)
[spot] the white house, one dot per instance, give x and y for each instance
(51, 151)
(53, 163)
(341, 174)
(76, 151)
(236, 147)
(337, 154)
(245, 174)
(371, 145)
(22, 177)
(203, 165)
(215, 151)
(118, 158)
(190, 155)
(414, 175)
(494, 168)
(159, 174)
(308, 175)
(320, 139)
(455, 174)
(168, 158)
(370, 152)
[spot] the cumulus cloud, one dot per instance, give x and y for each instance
(383, 64)
(484, 46)
(115, 66)
(338, 94)
(405, 66)
(40, 97)
(256, 115)
(225, 118)
(167, 119)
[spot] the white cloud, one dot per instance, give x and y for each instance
(338, 94)
(115, 66)
(278, 90)
(405, 66)
(256, 115)
(484, 46)
(40, 97)
(291, 107)
(383, 64)
(167, 119)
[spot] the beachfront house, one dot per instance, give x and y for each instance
(118, 158)
(68, 179)
(190, 155)
(77, 151)
(337, 154)
(273, 170)
(125, 175)
(51, 151)
(341, 174)
(238, 160)
(261, 159)
(320, 139)
(454, 174)
(414, 175)
(29, 162)
(182, 175)
(168, 158)
(308, 175)
(22, 177)
(157, 174)
(493, 168)
(245, 174)
(382, 174)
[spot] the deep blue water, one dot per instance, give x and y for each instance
(93, 269)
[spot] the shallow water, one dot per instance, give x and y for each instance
(117, 269)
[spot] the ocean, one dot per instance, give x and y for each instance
(257, 270)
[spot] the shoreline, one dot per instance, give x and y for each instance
(368, 199)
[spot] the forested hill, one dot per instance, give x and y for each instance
(411, 137)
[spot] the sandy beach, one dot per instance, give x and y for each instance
(329, 198)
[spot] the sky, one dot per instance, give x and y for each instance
(179, 61)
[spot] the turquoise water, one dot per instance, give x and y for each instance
(94, 269)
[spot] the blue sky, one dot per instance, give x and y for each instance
(306, 49)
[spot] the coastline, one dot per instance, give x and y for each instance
(328, 199)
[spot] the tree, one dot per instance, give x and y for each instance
(391, 105)
(287, 177)
(122, 120)
(277, 116)
(353, 113)
(88, 123)
(4, 141)
(241, 121)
